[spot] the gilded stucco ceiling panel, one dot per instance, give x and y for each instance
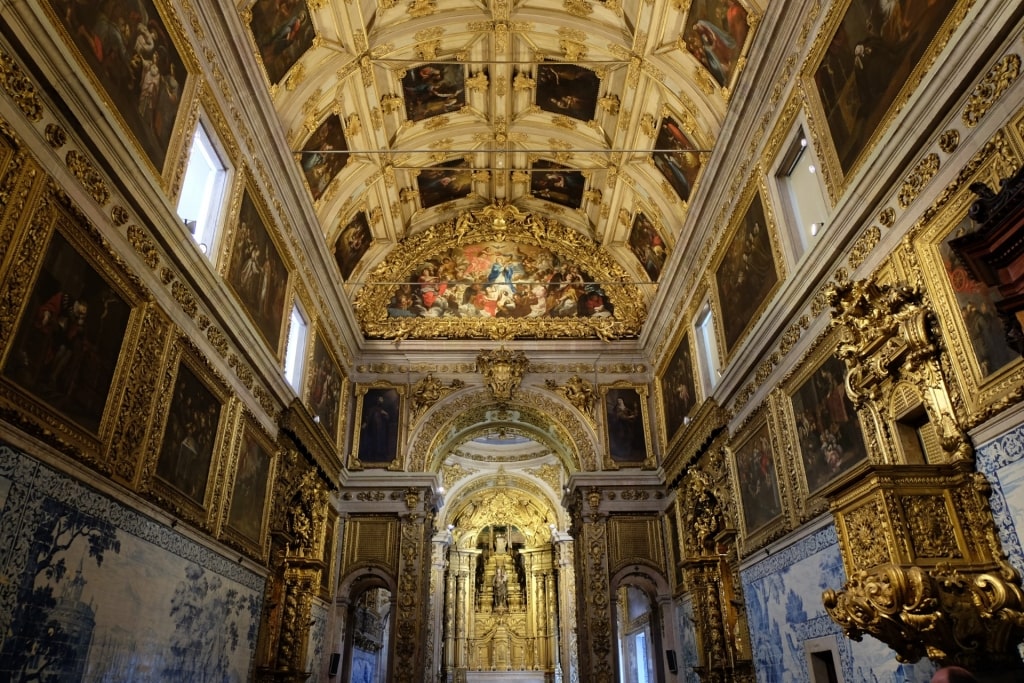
(404, 116)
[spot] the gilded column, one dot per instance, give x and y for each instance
(434, 664)
(551, 621)
(590, 528)
(568, 655)
(411, 616)
(450, 612)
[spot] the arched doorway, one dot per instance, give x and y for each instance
(369, 624)
(635, 626)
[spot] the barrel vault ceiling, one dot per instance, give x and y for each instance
(444, 141)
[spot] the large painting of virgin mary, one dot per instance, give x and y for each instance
(257, 273)
(69, 338)
(876, 47)
(828, 430)
(283, 31)
(128, 49)
(678, 159)
(747, 273)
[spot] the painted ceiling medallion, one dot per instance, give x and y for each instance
(499, 273)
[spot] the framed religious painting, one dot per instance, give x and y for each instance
(250, 485)
(256, 271)
(716, 33)
(377, 436)
(352, 243)
(869, 59)
(678, 389)
(129, 49)
(821, 425)
(183, 460)
(325, 386)
(72, 315)
(557, 183)
(323, 155)
(283, 32)
(445, 182)
(756, 481)
(647, 242)
(627, 426)
(567, 89)
(748, 268)
(678, 158)
(434, 89)
(989, 371)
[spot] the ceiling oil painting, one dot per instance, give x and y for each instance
(479, 156)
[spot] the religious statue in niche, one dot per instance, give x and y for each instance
(500, 587)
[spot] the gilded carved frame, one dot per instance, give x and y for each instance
(319, 334)
(759, 429)
(835, 180)
(177, 34)
(202, 514)
(684, 334)
(807, 502)
(755, 187)
(245, 185)
(355, 462)
(246, 424)
(984, 393)
(641, 390)
(48, 213)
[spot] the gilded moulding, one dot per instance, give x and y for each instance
(618, 310)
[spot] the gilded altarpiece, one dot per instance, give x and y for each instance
(710, 563)
(503, 594)
(590, 529)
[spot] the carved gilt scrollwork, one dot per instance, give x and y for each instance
(890, 345)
